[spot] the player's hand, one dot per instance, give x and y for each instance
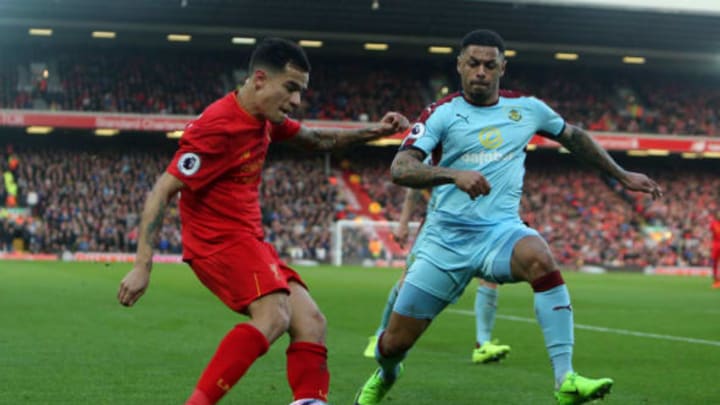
(133, 286)
(472, 182)
(640, 182)
(393, 123)
(401, 235)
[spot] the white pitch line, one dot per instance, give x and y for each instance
(606, 330)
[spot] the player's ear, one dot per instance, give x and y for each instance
(459, 62)
(502, 67)
(259, 78)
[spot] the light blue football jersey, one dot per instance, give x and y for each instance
(487, 139)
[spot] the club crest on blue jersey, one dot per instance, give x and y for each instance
(515, 115)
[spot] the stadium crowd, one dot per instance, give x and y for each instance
(629, 100)
(90, 200)
(589, 220)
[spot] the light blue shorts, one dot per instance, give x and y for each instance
(447, 259)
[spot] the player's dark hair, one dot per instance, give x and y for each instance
(276, 53)
(483, 38)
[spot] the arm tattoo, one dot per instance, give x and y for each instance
(329, 139)
(155, 224)
(581, 144)
(408, 170)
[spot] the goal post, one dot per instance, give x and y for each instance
(370, 243)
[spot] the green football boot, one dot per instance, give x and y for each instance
(489, 352)
(375, 388)
(370, 349)
(577, 389)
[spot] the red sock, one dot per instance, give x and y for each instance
(237, 352)
(307, 370)
(547, 281)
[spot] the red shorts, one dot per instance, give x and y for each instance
(244, 272)
(715, 254)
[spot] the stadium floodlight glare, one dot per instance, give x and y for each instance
(104, 34)
(658, 152)
(40, 32)
(633, 60)
(510, 53)
(440, 49)
(689, 155)
(179, 37)
(106, 132)
(309, 43)
(175, 134)
(711, 155)
(37, 130)
(375, 46)
(385, 142)
(531, 147)
(563, 150)
(566, 56)
(637, 152)
(243, 40)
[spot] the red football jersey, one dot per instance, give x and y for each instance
(220, 161)
(715, 229)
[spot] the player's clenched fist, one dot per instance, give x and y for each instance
(393, 122)
(472, 182)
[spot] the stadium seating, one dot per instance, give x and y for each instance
(172, 83)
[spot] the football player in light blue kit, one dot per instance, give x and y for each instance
(487, 350)
(472, 225)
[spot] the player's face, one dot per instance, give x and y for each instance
(278, 93)
(480, 69)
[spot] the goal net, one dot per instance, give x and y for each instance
(370, 243)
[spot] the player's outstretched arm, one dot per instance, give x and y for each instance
(325, 139)
(133, 286)
(409, 170)
(584, 146)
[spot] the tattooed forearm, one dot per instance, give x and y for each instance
(329, 139)
(408, 170)
(153, 213)
(586, 149)
(150, 223)
(155, 223)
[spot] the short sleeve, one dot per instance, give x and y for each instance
(549, 122)
(426, 133)
(286, 130)
(202, 156)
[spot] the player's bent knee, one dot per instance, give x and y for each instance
(540, 265)
(271, 317)
(310, 326)
(531, 259)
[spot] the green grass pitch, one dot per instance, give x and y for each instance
(65, 340)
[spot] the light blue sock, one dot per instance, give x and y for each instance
(554, 313)
(389, 366)
(485, 309)
(392, 297)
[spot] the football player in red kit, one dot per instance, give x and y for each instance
(715, 250)
(217, 169)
